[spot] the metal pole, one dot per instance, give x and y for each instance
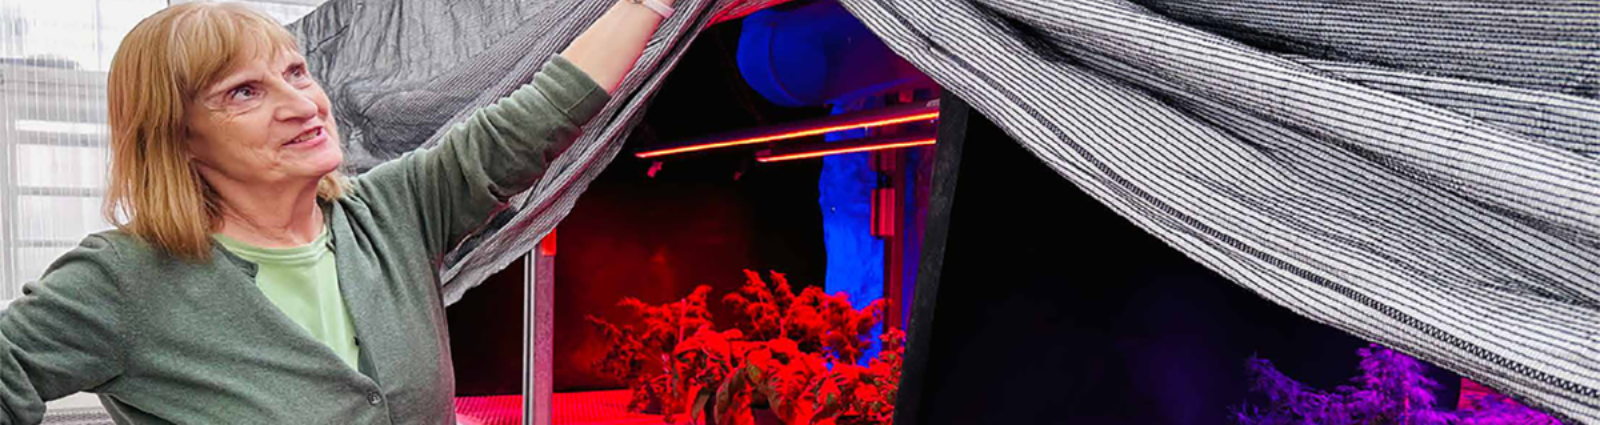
(529, 296)
(8, 219)
(538, 346)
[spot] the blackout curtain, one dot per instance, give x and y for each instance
(1422, 174)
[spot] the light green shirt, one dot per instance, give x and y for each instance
(304, 283)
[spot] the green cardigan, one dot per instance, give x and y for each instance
(167, 341)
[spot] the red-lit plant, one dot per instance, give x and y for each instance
(867, 394)
(794, 354)
(642, 357)
(801, 388)
(814, 320)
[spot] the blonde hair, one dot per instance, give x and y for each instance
(154, 192)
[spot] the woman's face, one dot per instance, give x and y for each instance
(265, 123)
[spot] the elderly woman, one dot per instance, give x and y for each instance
(248, 281)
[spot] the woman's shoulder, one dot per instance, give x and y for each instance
(118, 251)
(112, 242)
(98, 260)
(137, 267)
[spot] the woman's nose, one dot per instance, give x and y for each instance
(297, 104)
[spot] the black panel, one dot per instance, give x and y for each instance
(1053, 309)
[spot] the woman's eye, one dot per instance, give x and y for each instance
(297, 73)
(243, 93)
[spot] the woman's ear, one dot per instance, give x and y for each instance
(187, 142)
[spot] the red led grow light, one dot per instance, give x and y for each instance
(818, 150)
(852, 121)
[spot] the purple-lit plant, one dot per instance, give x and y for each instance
(1391, 390)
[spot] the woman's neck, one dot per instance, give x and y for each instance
(284, 218)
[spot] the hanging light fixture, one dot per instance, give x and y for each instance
(865, 119)
(817, 150)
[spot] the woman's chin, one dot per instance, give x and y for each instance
(323, 164)
(330, 166)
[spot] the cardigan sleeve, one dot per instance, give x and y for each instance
(448, 191)
(63, 336)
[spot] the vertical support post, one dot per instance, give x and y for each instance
(890, 207)
(538, 318)
(10, 279)
(952, 135)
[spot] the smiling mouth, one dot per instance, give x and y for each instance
(306, 136)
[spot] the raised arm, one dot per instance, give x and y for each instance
(609, 48)
(450, 190)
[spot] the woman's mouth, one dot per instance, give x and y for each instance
(309, 137)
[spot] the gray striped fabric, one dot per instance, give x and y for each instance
(1422, 174)
(537, 211)
(1440, 198)
(400, 72)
